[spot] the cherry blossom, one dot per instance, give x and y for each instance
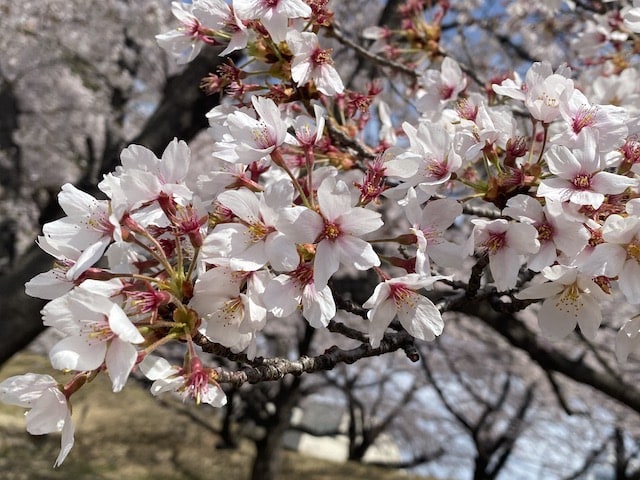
(399, 297)
(556, 231)
(579, 177)
(632, 17)
(49, 409)
(274, 14)
(311, 63)
(429, 225)
(541, 92)
(506, 244)
(258, 138)
(88, 227)
(195, 382)
(253, 242)
(336, 228)
(607, 123)
(286, 293)
(628, 339)
(96, 331)
(441, 87)
(619, 254)
(232, 314)
(203, 22)
(431, 150)
(570, 298)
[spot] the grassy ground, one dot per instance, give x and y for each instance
(132, 436)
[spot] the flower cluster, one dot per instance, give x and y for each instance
(292, 196)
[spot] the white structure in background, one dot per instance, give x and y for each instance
(321, 430)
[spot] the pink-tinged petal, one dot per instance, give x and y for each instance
(214, 396)
(157, 367)
(545, 257)
(356, 252)
(141, 186)
(167, 385)
(282, 296)
(446, 254)
(120, 359)
(423, 266)
(122, 326)
(277, 196)
(238, 41)
(441, 213)
(48, 413)
(380, 318)
(318, 308)
(300, 224)
(66, 440)
(412, 209)
(380, 293)
(586, 152)
(276, 25)
(24, 390)
(217, 282)
(360, 221)
(76, 353)
(89, 256)
(589, 317)
(48, 285)
(270, 114)
(137, 157)
(555, 323)
(293, 8)
(504, 266)
(619, 229)
(403, 166)
(57, 314)
(420, 318)
(607, 183)
(243, 203)
(300, 71)
(522, 237)
(524, 206)
(628, 339)
(587, 197)
(281, 252)
(225, 239)
(570, 238)
(606, 259)
(76, 202)
(329, 81)
(326, 263)
(556, 189)
(249, 260)
(543, 290)
(562, 274)
(175, 162)
(563, 163)
(334, 198)
(66, 231)
(629, 281)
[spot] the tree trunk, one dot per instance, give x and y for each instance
(266, 464)
(480, 468)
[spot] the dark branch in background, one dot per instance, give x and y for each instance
(336, 32)
(557, 390)
(548, 358)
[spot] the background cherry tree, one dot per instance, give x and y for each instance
(412, 189)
